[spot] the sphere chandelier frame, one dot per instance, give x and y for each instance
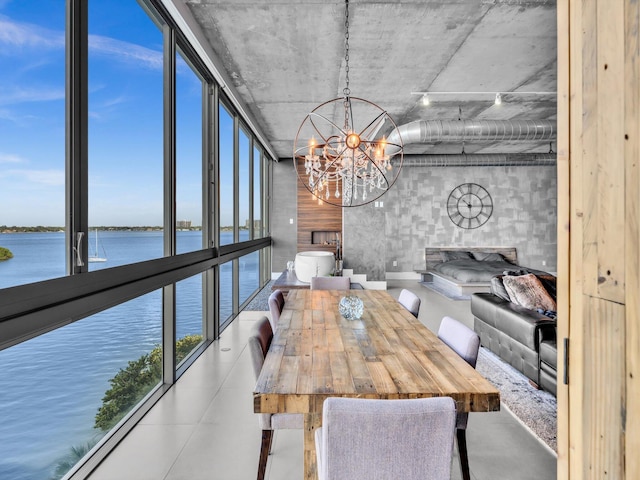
(353, 164)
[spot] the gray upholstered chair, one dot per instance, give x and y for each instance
(361, 439)
(276, 304)
(410, 301)
(330, 283)
(259, 341)
(466, 343)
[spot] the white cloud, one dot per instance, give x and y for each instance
(20, 94)
(10, 158)
(16, 34)
(111, 102)
(126, 52)
(41, 177)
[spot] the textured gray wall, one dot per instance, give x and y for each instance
(414, 216)
(364, 239)
(284, 208)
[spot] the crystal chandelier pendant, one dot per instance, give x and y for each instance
(344, 148)
(359, 165)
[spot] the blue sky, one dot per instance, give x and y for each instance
(125, 117)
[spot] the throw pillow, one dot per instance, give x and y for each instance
(497, 288)
(515, 272)
(549, 283)
(448, 255)
(528, 291)
(488, 257)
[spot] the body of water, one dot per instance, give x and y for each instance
(52, 386)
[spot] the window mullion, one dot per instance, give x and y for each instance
(169, 291)
(76, 112)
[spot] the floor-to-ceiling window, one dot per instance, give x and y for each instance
(189, 156)
(84, 352)
(248, 265)
(32, 146)
(190, 186)
(257, 193)
(244, 169)
(227, 174)
(125, 134)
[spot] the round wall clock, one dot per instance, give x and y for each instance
(469, 205)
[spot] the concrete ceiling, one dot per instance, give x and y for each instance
(286, 57)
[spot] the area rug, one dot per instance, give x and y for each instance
(536, 409)
(445, 293)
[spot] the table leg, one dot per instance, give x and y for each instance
(311, 422)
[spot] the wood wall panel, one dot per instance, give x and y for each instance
(604, 379)
(632, 234)
(610, 153)
(586, 146)
(315, 216)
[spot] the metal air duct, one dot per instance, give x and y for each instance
(439, 131)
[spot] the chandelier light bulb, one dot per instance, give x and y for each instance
(498, 99)
(353, 141)
(425, 100)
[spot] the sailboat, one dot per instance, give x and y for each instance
(95, 258)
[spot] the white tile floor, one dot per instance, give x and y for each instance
(205, 428)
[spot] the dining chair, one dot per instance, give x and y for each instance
(276, 304)
(466, 343)
(361, 439)
(259, 341)
(410, 301)
(330, 283)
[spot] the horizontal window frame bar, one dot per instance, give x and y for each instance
(34, 309)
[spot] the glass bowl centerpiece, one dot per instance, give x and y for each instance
(351, 307)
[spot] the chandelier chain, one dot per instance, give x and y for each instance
(346, 91)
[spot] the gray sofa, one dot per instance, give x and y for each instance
(520, 336)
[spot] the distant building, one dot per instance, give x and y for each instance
(183, 224)
(257, 224)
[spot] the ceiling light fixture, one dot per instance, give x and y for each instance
(345, 162)
(427, 97)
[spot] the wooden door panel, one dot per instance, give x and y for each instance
(599, 97)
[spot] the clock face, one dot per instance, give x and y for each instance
(469, 205)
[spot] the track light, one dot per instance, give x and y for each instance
(427, 97)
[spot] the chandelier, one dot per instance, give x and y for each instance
(347, 160)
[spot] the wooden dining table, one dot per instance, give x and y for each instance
(386, 354)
